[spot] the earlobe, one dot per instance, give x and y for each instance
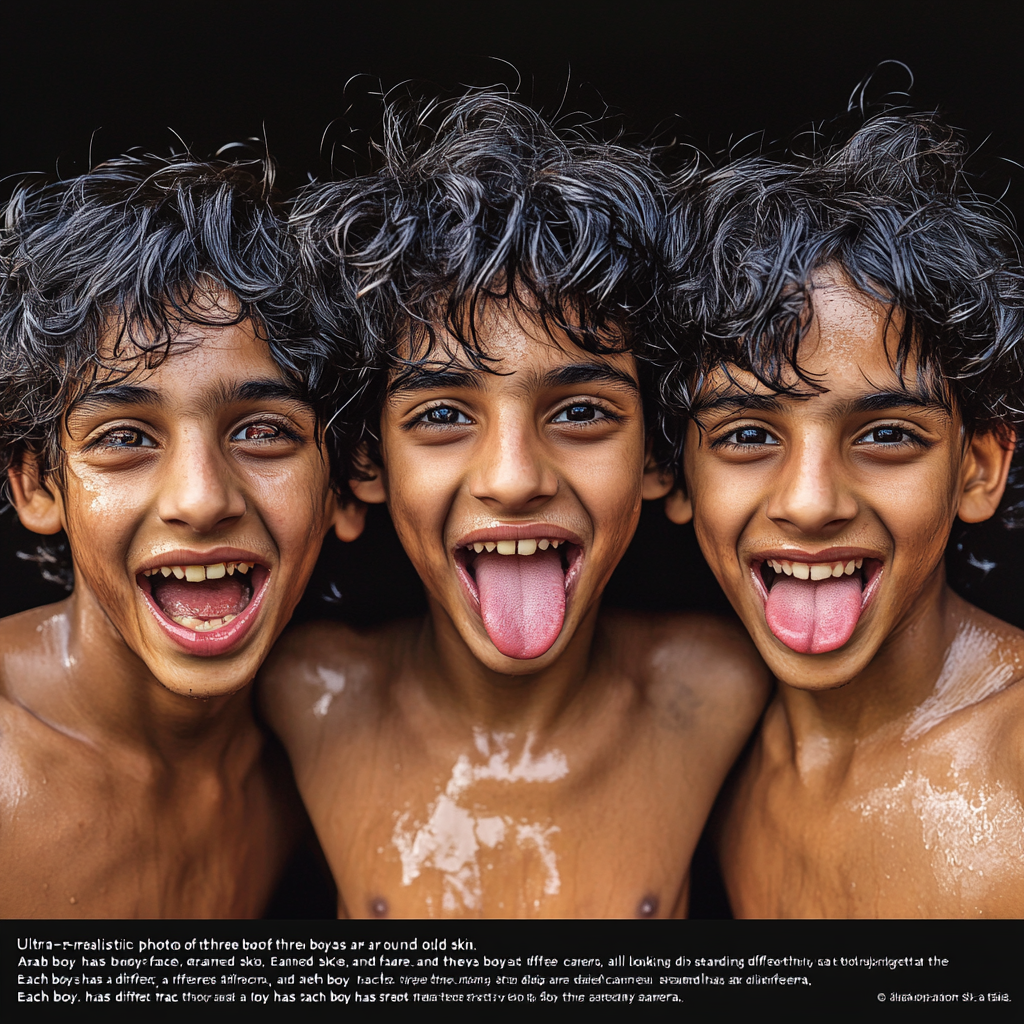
(348, 519)
(369, 485)
(657, 483)
(678, 507)
(986, 466)
(38, 509)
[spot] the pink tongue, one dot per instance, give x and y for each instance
(522, 601)
(211, 599)
(814, 616)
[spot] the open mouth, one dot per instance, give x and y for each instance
(814, 607)
(521, 586)
(206, 609)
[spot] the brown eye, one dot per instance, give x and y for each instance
(578, 412)
(444, 416)
(752, 436)
(127, 437)
(885, 435)
(257, 432)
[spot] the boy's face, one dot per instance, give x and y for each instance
(825, 518)
(195, 497)
(515, 493)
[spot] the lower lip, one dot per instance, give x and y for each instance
(216, 641)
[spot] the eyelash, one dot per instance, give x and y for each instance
(909, 437)
(605, 412)
(103, 442)
(420, 420)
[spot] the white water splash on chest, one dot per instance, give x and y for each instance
(975, 668)
(453, 836)
(972, 834)
(333, 683)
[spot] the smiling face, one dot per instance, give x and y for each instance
(515, 492)
(195, 496)
(825, 518)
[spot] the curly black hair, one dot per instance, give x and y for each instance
(479, 199)
(102, 271)
(892, 207)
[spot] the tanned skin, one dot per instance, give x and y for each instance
(445, 778)
(886, 779)
(137, 782)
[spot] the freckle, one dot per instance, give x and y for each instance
(648, 907)
(379, 907)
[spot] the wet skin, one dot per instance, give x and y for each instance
(886, 778)
(125, 796)
(445, 778)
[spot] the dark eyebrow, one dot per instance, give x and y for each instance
(422, 378)
(589, 373)
(881, 400)
(260, 390)
(877, 401)
(120, 394)
(738, 400)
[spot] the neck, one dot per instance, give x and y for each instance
(90, 685)
(482, 697)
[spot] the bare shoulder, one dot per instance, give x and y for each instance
(30, 644)
(707, 662)
(322, 675)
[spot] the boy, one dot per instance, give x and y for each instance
(859, 388)
(517, 753)
(153, 408)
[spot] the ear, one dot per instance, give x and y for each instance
(657, 482)
(369, 487)
(348, 517)
(985, 468)
(678, 507)
(39, 510)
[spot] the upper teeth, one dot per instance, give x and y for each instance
(815, 570)
(198, 573)
(512, 547)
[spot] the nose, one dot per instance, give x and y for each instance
(811, 495)
(198, 487)
(512, 472)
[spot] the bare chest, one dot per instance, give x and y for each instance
(497, 836)
(91, 844)
(911, 838)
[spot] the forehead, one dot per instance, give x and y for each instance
(199, 353)
(849, 351)
(516, 346)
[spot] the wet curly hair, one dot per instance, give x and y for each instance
(102, 271)
(475, 200)
(892, 207)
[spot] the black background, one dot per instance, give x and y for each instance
(86, 82)
(90, 81)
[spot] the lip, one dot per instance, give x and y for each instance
(517, 531)
(216, 641)
(872, 576)
(192, 556)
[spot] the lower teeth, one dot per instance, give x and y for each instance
(201, 625)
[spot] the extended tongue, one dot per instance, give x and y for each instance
(814, 616)
(522, 601)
